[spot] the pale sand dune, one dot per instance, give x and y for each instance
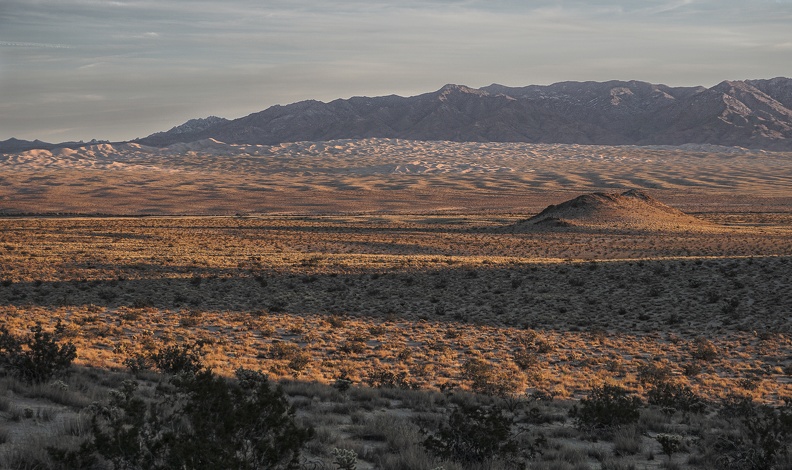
(210, 177)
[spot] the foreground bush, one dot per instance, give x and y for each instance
(761, 437)
(37, 357)
(675, 397)
(476, 434)
(473, 434)
(608, 406)
(200, 421)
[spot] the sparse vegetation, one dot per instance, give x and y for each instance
(379, 326)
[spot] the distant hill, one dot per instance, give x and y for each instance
(13, 145)
(748, 113)
(632, 210)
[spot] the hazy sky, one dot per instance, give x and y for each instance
(82, 69)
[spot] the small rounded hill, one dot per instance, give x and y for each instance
(632, 210)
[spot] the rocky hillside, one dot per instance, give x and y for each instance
(750, 113)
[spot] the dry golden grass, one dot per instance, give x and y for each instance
(315, 297)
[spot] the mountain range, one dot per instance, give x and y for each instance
(747, 113)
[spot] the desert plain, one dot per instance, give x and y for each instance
(419, 261)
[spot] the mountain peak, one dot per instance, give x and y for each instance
(452, 88)
(197, 125)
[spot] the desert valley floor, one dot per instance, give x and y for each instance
(353, 258)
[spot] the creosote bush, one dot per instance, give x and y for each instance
(488, 379)
(37, 357)
(477, 433)
(675, 397)
(670, 443)
(386, 379)
(197, 421)
(609, 406)
(653, 373)
(704, 349)
(761, 435)
(179, 358)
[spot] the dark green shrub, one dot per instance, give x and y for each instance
(201, 421)
(763, 437)
(475, 434)
(244, 424)
(35, 358)
(299, 363)
(138, 363)
(670, 443)
(606, 407)
(676, 397)
(342, 383)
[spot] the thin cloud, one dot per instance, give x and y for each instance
(34, 44)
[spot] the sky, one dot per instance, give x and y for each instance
(116, 70)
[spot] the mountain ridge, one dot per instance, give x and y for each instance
(744, 113)
(754, 114)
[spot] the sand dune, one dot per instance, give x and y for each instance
(211, 177)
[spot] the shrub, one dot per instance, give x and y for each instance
(299, 363)
(345, 459)
(387, 379)
(35, 358)
(179, 358)
(675, 397)
(486, 379)
(765, 435)
(201, 422)
(138, 362)
(606, 406)
(653, 373)
(474, 434)
(704, 350)
(342, 383)
(670, 443)
(691, 369)
(283, 350)
(526, 360)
